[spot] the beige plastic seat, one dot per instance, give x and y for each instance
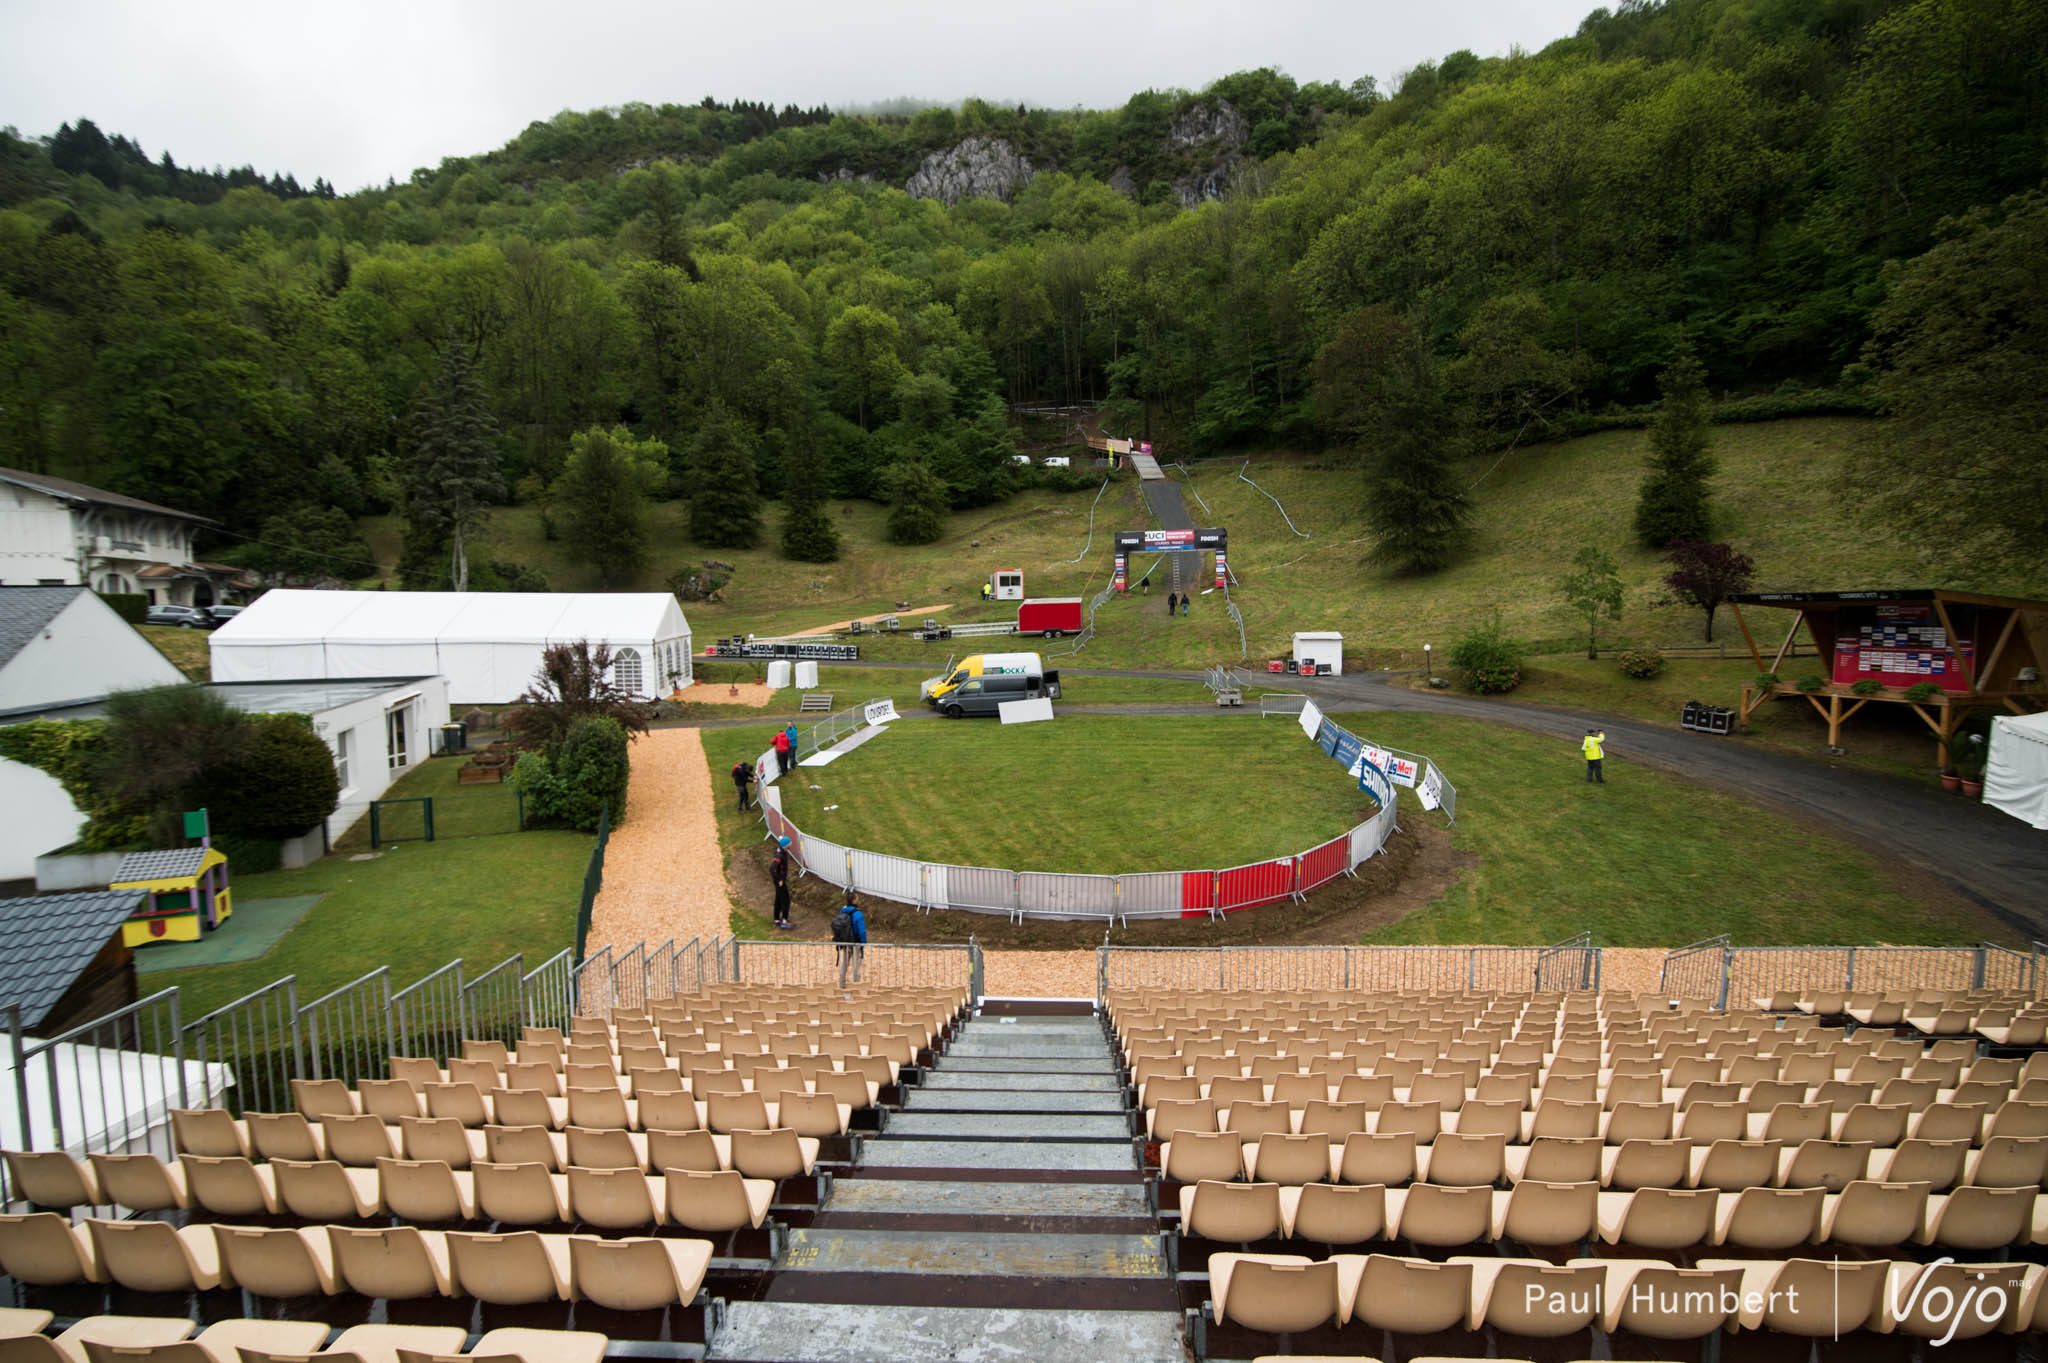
(441, 1138)
(316, 1098)
(1639, 1122)
(1461, 1159)
(1646, 1164)
(16, 1321)
(602, 1105)
(1421, 1120)
(1282, 1158)
(229, 1185)
(1537, 1213)
(1533, 1299)
(1280, 1293)
(1971, 1218)
(728, 1112)
(1409, 1296)
(398, 1263)
(1333, 1119)
(52, 1178)
(716, 1201)
(152, 1256)
(811, 1114)
(1658, 1300)
(1387, 1159)
(527, 1107)
(286, 1135)
(323, 1190)
(209, 1131)
(525, 1145)
(1195, 1155)
(516, 1268)
(1875, 1215)
(616, 1199)
(463, 1102)
(698, 1150)
(1881, 1126)
(671, 1111)
(2004, 1162)
(70, 1347)
(1812, 1298)
(637, 1273)
(1831, 1165)
(1657, 1218)
(773, 1154)
(427, 1191)
(1769, 1218)
(371, 1344)
(1444, 1217)
(1340, 1214)
(45, 1249)
(394, 1099)
(515, 1345)
(605, 1148)
(1556, 1159)
(359, 1140)
(521, 1194)
(1235, 1213)
(289, 1262)
(1921, 1301)
(1939, 1164)
(142, 1183)
(1732, 1165)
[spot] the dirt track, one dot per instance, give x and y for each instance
(663, 874)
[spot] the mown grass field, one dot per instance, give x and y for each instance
(460, 811)
(413, 908)
(1534, 509)
(186, 648)
(1645, 860)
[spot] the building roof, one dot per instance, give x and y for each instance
(308, 696)
(357, 617)
(25, 610)
(65, 490)
(167, 863)
(46, 941)
(1880, 597)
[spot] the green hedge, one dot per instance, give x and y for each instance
(130, 606)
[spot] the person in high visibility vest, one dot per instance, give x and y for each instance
(1594, 750)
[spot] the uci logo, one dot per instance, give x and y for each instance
(1982, 1300)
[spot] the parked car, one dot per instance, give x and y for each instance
(222, 614)
(184, 617)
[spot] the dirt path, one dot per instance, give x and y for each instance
(663, 873)
(838, 625)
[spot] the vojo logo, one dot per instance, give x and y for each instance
(1983, 1300)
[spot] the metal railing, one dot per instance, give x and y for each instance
(945, 965)
(494, 1003)
(834, 727)
(1694, 971)
(426, 1015)
(549, 991)
(1282, 703)
(1733, 976)
(1568, 966)
(346, 1032)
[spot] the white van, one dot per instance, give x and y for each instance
(980, 665)
(1057, 461)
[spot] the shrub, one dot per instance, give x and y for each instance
(1869, 686)
(1640, 663)
(588, 774)
(130, 606)
(1489, 661)
(250, 856)
(1922, 692)
(1766, 680)
(283, 784)
(1811, 683)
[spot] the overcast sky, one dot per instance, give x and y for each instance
(372, 89)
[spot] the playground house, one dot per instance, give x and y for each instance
(184, 890)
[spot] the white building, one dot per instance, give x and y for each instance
(487, 644)
(58, 646)
(55, 532)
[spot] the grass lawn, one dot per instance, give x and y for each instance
(414, 908)
(1646, 860)
(459, 811)
(186, 648)
(857, 685)
(1093, 794)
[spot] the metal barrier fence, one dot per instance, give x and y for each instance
(593, 880)
(1570, 965)
(1282, 703)
(934, 966)
(1733, 976)
(832, 728)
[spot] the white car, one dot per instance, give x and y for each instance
(1057, 461)
(1020, 459)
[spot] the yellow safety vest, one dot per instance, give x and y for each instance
(1592, 746)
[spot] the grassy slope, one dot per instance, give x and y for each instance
(186, 648)
(1637, 862)
(1534, 509)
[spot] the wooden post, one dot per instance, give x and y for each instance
(1989, 663)
(1946, 732)
(1747, 637)
(1835, 721)
(1798, 619)
(1955, 645)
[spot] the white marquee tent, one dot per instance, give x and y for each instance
(487, 644)
(2016, 769)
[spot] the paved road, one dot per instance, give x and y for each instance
(1989, 859)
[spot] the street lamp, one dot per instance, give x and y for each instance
(1428, 663)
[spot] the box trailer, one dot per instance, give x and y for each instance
(1051, 616)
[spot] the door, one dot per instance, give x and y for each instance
(398, 737)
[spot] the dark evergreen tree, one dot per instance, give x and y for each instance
(918, 502)
(725, 496)
(808, 535)
(1675, 501)
(451, 461)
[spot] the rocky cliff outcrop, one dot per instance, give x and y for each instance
(978, 168)
(1215, 127)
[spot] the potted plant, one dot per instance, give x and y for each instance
(1922, 692)
(1766, 680)
(1950, 781)
(675, 683)
(1810, 683)
(1970, 754)
(1869, 686)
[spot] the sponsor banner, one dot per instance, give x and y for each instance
(1311, 718)
(742, 648)
(1121, 582)
(1326, 737)
(1373, 780)
(1171, 541)
(1402, 771)
(1222, 570)
(1349, 746)
(880, 711)
(1431, 791)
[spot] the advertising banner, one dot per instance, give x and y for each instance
(1431, 791)
(1372, 779)
(1402, 771)
(880, 711)
(1311, 718)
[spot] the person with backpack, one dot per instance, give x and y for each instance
(850, 935)
(791, 732)
(782, 752)
(778, 872)
(742, 777)
(1172, 603)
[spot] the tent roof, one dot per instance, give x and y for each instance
(295, 616)
(2034, 727)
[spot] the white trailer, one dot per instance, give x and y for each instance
(1319, 653)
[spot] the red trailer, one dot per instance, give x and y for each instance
(1051, 616)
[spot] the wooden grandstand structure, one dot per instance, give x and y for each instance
(1989, 653)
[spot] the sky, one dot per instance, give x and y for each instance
(362, 92)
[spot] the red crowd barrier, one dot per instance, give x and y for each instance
(1245, 887)
(1197, 893)
(1320, 865)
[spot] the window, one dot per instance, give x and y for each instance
(626, 670)
(397, 724)
(341, 747)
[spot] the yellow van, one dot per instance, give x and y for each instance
(980, 665)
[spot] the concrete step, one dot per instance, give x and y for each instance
(883, 1153)
(972, 1253)
(1009, 1100)
(789, 1332)
(1014, 1081)
(1040, 1026)
(1030, 1064)
(917, 1197)
(1007, 1047)
(1008, 1126)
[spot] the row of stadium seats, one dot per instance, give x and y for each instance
(1450, 1083)
(425, 1191)
(1530, 1298)
(1210, 1060)
(1535, 1214)
(1396, 1158)
(703, 1073)
(2002, 1017)
(823, 1112)
(516, 1268)
(170, 1339)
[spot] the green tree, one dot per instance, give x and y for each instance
(1705, 575)
(1961, 351)
(451, 466)
(808, 535)
(1592, 588)
(282, 784)
(725, 492)
(918, 502)
(1674, 503)
(313, 542)
(862, 345)
(602, 499)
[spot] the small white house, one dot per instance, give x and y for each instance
(58, 646)
(487, 644)
(54, 531)
(1321, 648)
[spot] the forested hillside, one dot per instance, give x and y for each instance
(719, 301)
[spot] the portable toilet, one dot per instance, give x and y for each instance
(1009, 584)
(806, 675)
(1319, 653)
(778, 673)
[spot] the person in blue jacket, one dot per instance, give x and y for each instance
(850, 935)
(791, 731)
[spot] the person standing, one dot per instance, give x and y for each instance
(1186, 600)
(791, 731)
(850, 937)
(987, 592)
(742, 777)
(1172, 602)
(778, 872)
(1595, 750)
(782, 752)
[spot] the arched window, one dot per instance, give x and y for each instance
(626, 671)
